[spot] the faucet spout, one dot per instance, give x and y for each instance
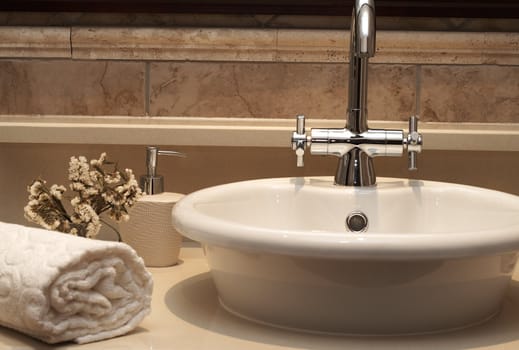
(356, 167)
(363, 28)
(362, 46)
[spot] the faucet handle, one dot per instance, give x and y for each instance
(414, 143)
(299, 140)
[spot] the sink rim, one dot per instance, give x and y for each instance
(367, 246)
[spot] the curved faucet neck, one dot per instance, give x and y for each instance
(362, 46)
(363, 28)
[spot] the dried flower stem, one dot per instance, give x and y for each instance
(119, 239)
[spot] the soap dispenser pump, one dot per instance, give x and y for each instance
(149, 230)
(151, 183)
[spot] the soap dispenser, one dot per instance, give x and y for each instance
(150, 230)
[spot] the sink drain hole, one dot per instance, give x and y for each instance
(357, 222)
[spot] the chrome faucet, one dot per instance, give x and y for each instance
(356, 144)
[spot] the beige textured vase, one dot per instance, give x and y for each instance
(150, 231)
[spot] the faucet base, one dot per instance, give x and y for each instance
(355, 169)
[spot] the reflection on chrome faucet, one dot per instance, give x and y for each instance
(356, 144)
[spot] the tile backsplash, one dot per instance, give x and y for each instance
(446, 93)
(255, 73)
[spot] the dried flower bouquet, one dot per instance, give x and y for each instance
(99, 187)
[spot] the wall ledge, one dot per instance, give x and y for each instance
(259, 45)
(232, 132)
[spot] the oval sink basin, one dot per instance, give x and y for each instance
(418, 257)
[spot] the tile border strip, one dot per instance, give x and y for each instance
(35, 42)
(257, 45)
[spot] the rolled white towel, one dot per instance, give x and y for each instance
(57, 287)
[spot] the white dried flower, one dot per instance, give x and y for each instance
(75, 201)
(29, 210)
(112, 178)
(55, 225)
(100, 161)
(79, 171)
(92, 229)
(83, 212)
(36, 188)
(57, 191)
(77, 186)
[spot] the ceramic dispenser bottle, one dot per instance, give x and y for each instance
(150, 231)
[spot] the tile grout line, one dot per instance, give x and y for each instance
(147, 89)
(70, 43)
(418, 89)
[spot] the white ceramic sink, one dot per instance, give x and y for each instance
(434, 256)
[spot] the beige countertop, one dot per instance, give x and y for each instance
(186, 315)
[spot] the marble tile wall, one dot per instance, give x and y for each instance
(470, 94)
(277, 90)
(447, 93)
(198, 89)
(65, 87)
